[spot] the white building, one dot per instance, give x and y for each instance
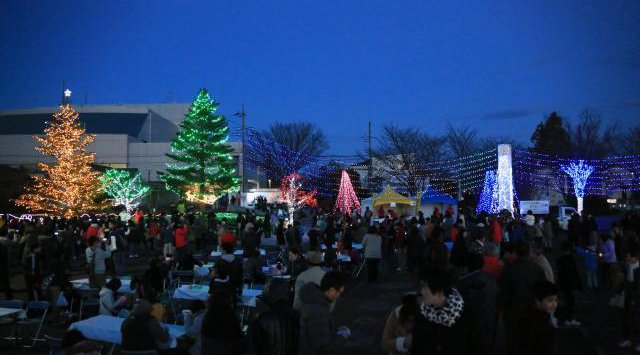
(126, 136)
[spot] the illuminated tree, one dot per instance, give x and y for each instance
(489, 196)
(347, 199)
(124, 188)
(292, 194)
(579, 173)
(205, 166)
(69, 186)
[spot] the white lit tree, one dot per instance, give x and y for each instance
(292, 194)
(579, 173)
(124, 188)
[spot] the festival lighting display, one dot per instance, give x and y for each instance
(505, 179)
(69, 186)
(488, 201)
(611, 174)
(444, 175)
(347, 199)
(579, 173)
(292, 194)
(204, 159)
(124, 187)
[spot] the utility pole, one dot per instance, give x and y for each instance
(243, 117)
(369, 173)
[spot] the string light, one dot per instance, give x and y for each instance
(69, 186)
(579, 173)
(292, 194)
(488, 201)
(124, 188)
(204, 159)
(347, 199)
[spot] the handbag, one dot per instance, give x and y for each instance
(617, 300)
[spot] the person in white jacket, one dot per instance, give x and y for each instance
(109, 306)
(372, 242)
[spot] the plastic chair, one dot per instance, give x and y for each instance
(40, 308)
(55, 345)
(89, 302)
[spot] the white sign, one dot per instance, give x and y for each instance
(537, 207)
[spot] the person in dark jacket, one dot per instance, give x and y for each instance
(188, 262)
(232, 263)
(277, 330)
(517, 291)
(479, 291)
(318, 334)
(297, 264)
(221, 333)
(537, 328)
(141, 331)
(444, 325)
(568, 283)
(33, 272)
(630, 322)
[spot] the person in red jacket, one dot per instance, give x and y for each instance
(496, 231)
(180, 238)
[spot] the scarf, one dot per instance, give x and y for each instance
(446, 315)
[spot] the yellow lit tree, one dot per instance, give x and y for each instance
(69, 186)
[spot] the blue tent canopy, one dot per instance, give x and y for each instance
(434, 196)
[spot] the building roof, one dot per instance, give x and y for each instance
(95, 123)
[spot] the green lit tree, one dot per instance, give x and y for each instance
(204, 164)
(124, 188)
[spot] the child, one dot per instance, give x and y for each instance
(590, 266)
(537, 326)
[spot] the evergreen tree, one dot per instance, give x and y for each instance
(205, 166)
(69, 186)
(552, 137)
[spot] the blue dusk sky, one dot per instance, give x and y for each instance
(498, 66)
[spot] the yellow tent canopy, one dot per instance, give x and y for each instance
(389, 195)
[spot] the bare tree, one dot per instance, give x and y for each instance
(591, 139)
(404, 153)
(462, 141)
(303, 137)
(631, 141)
(285, 148)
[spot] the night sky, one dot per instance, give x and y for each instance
(499, 66)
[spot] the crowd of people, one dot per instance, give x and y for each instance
(484, 282)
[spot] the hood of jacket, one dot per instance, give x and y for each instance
(311, 294)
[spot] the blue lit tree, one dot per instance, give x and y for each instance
(579, 173)
(489, 196)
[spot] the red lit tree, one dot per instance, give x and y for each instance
(347, 199)
(292, 194)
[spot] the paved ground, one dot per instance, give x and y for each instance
(365, 306)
